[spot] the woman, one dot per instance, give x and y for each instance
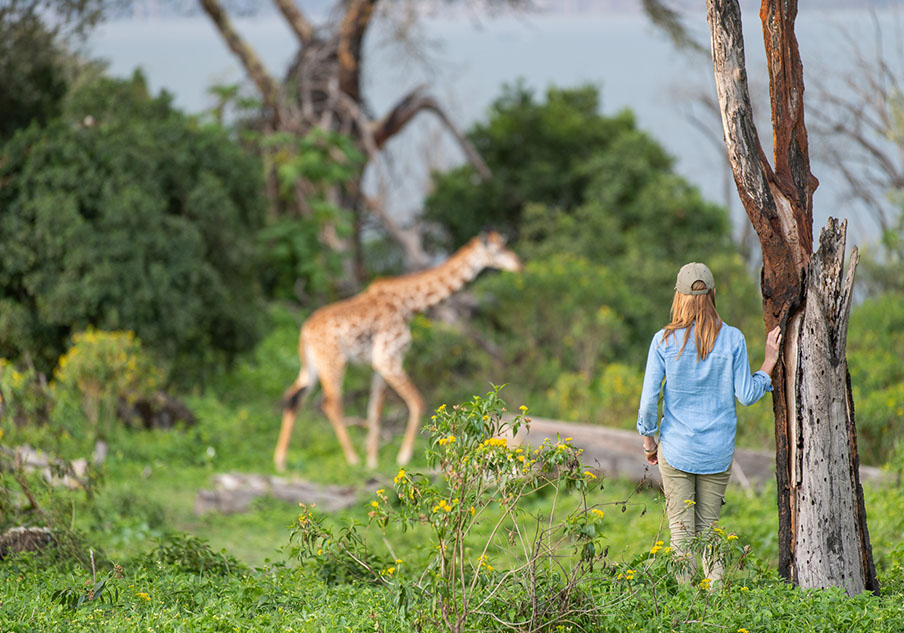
(704, 364)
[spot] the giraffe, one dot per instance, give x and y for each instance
(372, 327)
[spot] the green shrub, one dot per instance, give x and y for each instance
(609, 399)
(98, 371)
(26, 401)
(875, 349)
(192, 555)
(467, 572)
(297, 261)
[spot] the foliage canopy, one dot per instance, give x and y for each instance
(125, 214)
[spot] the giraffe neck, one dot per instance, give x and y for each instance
(421, 290)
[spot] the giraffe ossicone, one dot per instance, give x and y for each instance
(372, 327)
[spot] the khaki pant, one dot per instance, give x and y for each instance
(693, 503)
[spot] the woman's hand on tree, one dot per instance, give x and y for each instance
(773, 345)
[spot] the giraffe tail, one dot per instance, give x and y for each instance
(297, 391)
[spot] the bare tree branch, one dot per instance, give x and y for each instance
(351, 36)
(296, 19)
(406, 109)
(669, 20)
(856, 122)
(268, 87)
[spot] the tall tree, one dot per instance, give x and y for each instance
(322, 90)
(823, 535)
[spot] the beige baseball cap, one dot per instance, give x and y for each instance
(691, 273)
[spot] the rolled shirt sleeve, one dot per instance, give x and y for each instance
(648, 414)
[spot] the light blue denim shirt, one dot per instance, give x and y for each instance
(698, 413)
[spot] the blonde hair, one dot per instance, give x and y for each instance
(699, 309)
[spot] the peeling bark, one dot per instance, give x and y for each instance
(823, 536)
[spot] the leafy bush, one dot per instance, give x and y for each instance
(133, 218)
(100, 370)
(297, 260)
(609, 399)
(192, 555)
(875, 349)
(26, 399)
(480, 473)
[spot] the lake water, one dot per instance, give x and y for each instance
(467, 63)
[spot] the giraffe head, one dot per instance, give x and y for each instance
(496, 254)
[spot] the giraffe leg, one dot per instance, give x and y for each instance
(374, 409)
(331, 382)
(402, 385)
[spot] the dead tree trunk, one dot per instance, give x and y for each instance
(823, 536)
(322, 89)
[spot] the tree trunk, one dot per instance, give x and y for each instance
(823, 537)
(831, 542)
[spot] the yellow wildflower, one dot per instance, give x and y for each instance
(442, 505)
(731, 537)
(590, 474)
(400, 476)
(706, 583)
(374, 504)
(523, 408)
(690, 502)
(742, 630)
(655, 549)
(598, 512)
(143, 596)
